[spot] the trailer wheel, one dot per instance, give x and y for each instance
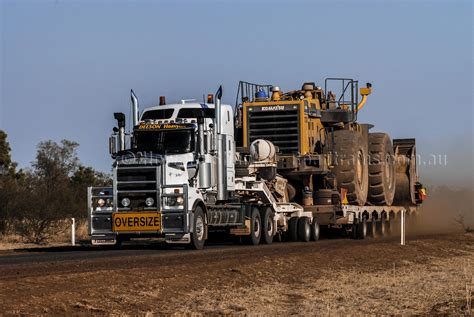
(315, 230)
(353, 232)
(390, 225)
(293, 228)
(199, 230)
(373, 227)
(267, 224)
(255, 227)
(382, 226)
(362, 229)
(304, 229)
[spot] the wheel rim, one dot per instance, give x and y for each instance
(256, 227)
(269, 226)
(360, 166)
(199, 230)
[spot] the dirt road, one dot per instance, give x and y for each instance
(429, 275)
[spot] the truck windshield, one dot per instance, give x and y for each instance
(164, 141)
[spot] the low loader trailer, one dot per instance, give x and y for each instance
(183, 171)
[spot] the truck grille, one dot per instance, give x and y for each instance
(281, 127)
(137, 184)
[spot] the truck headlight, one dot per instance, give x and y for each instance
(180, 200)
(125, 202)
(101, 202)
(149, 202)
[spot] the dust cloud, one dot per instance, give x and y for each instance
(446, 210)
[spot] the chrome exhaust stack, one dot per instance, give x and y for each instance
(204, 167)
(220, 149)
(135, 114)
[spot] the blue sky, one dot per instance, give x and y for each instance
(68, 65)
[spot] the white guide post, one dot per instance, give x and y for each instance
(402, 228)
(73, 231)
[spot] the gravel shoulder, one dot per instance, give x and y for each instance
(431, 275)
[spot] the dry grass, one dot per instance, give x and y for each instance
(439, 287)
(15, 241)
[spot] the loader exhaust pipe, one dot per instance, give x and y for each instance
(220, 149)
(135, 114)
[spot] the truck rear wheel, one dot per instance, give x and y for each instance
(351, 165)
(381, 170)
(255, 227)
(304, 229)
(267, 221)
(293, 229)
(315, 230)
(199, 230)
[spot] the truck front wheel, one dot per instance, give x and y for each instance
(199, 229)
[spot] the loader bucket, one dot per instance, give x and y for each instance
(406, 172)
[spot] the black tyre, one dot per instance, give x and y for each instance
(293, 229)
(382, 226)
(267, 225)
(315, 230)
(353, 232)
(381, 169)
(198, 236)
(372, 228)
(255, 227)
(362, 229)
(351, 165)
(304, 229)
(390, 225)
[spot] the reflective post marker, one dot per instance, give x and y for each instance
(73, 231)
(402, 228)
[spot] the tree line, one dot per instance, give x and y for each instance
(36, 201)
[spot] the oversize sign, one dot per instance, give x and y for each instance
(136, 221)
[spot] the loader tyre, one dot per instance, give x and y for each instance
(293, 229)
(267, 225)
(315, 230)
(381, 169)
(199, 230)
(351, 165)
(255, 227)
(304, 229)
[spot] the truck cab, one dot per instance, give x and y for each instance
(163, 170)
